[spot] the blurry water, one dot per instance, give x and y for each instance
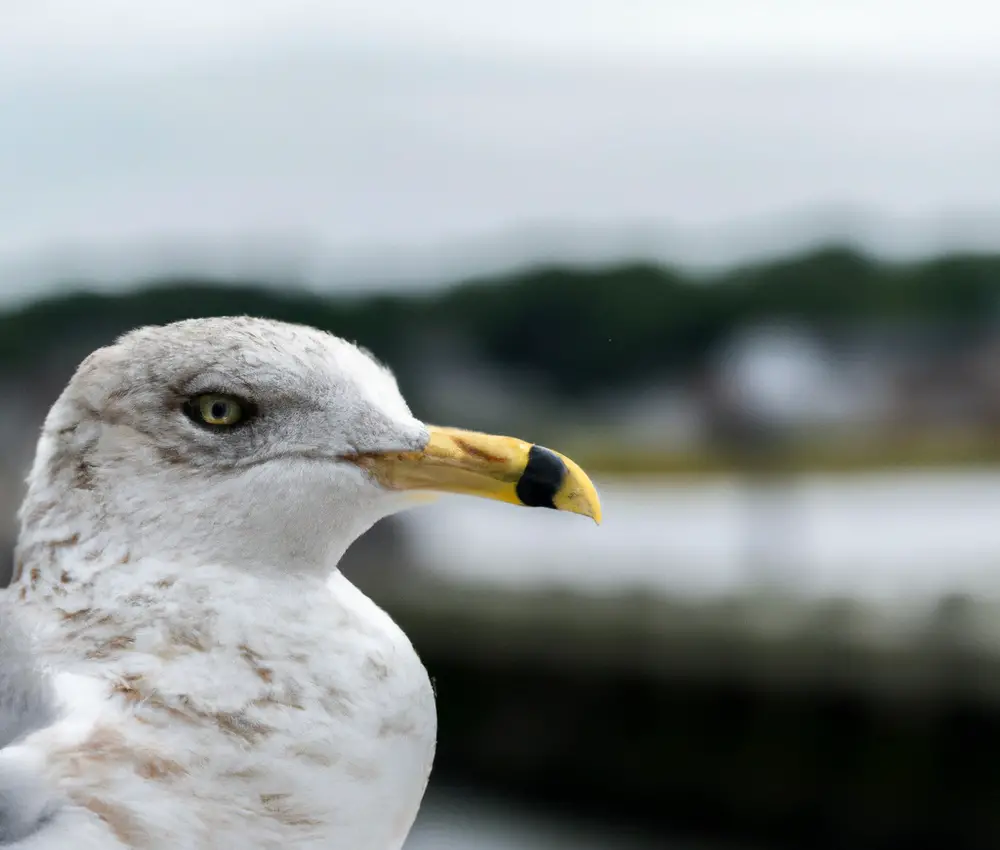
(890, 535)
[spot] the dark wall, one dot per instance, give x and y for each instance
(725, 758)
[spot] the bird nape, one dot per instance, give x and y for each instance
(206, 675)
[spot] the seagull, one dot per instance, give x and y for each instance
(182, 665)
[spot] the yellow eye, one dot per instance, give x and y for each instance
(218, 410)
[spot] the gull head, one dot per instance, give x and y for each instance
(258, 443)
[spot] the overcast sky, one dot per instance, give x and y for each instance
(407, 141)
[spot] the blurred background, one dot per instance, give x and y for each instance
(741, 260)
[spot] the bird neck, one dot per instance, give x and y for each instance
(112, 609)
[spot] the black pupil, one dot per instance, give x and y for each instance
(219, 409)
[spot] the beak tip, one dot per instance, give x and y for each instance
(595, 513)
(587, 507)
(576, 492)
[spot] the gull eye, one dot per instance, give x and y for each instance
(218, 411)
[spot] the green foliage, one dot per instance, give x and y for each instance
(581, 331)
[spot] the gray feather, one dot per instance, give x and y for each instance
(27, 703)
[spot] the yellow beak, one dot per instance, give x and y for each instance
(501, 468)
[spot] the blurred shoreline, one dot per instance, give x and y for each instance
(786, 625)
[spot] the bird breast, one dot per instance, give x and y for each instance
(278, 716)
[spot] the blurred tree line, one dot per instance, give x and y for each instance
(579, 331)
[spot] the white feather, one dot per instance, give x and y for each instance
(217, 683)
